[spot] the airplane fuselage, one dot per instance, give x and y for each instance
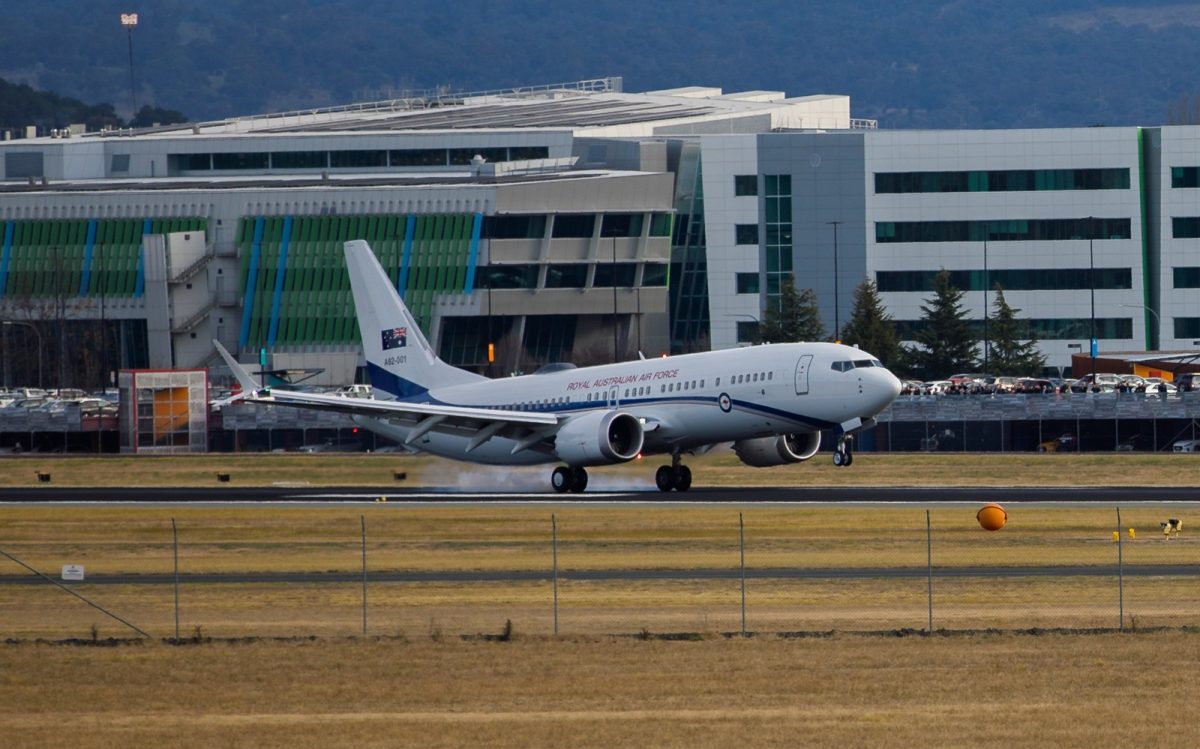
(683, 402)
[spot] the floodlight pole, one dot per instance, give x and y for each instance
(1092, 286)
(129, 21)
(837, 325)
(986, 288)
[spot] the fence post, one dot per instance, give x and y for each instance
(742, 547)
(929, 566)
(363, 521)
(175, 536)
(1120, 575)
(554, 557)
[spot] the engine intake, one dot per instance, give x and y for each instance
(765, 452)
(598, 438)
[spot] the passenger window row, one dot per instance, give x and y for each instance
(675, 387)
(742, 379)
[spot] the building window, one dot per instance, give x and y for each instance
(506, 277)
(196, 162)
(418, 157)
(1077, 329)
(1014, 230)
(621, 273)
(574, 225)
(566, 276)
(1185, 176)
(1014, 180)
(745, 234)
(299, 159)
(463, 156)
(745, 185)
(241, 161)
(660, 224)
(1185, 227)
(655, 274)
(120, 162)
(1011, 279)
(550, 338)
(747, 331)
(747, 283)
(23, 164)
(514, 227)
(1187, 327)
(528, 153)
(1187, 278)
(621, 225)
(357, 159)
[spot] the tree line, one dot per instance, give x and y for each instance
(944, 342)
(21, 106)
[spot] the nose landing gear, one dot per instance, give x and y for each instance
(569, 479)
(843, 456)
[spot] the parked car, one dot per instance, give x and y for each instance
(1158, 385)
(1187, 382)
(1032, 385)
(1105, 382)
(1063, 443)
(1186, 446)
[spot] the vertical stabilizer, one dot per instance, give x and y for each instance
(399, 359)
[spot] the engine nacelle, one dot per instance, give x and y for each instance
(765, 452)
(599, 437)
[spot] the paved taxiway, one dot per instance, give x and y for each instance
(755, 495)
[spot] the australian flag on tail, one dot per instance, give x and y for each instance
(395, 338)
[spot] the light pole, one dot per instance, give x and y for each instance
(1092, 286)
(36, 332)
(837, 327)
(986, 287)
(129, 22)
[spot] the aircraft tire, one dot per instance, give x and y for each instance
(839, 458)
(664, 478)
(561, 479)
(579, 479)
(683, 479)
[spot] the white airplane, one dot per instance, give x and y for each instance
(770, 401)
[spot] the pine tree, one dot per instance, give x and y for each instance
(794, 317)
(945, 343)
(870, 327)
(1006, 352)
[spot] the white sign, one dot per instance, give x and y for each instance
(72, 572)
(129, 19)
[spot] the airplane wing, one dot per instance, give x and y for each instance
(531, 428)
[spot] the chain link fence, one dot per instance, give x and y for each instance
(685, 570)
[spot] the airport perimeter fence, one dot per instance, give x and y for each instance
(687, 571)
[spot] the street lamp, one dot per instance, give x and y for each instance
(837, 327)
(986, 287)
(129, 22)
(38, 333)
(1157, 319)
(1092, 286)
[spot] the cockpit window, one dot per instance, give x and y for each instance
(864, 363)
(842, 366)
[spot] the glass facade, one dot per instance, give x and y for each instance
(689, 256)
(1012, 279)
(566, 276)
(622, 225)
(1108, 328)
(1015, 230)
(353, 158)
(1011, 180)
(573, 226)
(778, 224)
(614, 274)
(513, 227)
(745, 234)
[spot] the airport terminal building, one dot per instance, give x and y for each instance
(577, 222)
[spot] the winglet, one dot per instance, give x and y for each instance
(244, 378)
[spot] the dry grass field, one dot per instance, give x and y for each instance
(719, 468)
(645, 662)
(1010, 690)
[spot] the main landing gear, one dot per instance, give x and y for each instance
(569, 479)
(843, 456)
(675, 476)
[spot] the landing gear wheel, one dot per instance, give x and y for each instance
(561, 479)
(664, 478)
(839, 457)
(683, 479)
(579, 479)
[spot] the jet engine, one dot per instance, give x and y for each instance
(599, 437)
(777, 451)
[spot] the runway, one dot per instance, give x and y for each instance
(290, 494)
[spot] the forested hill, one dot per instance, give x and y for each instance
(923, 63)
